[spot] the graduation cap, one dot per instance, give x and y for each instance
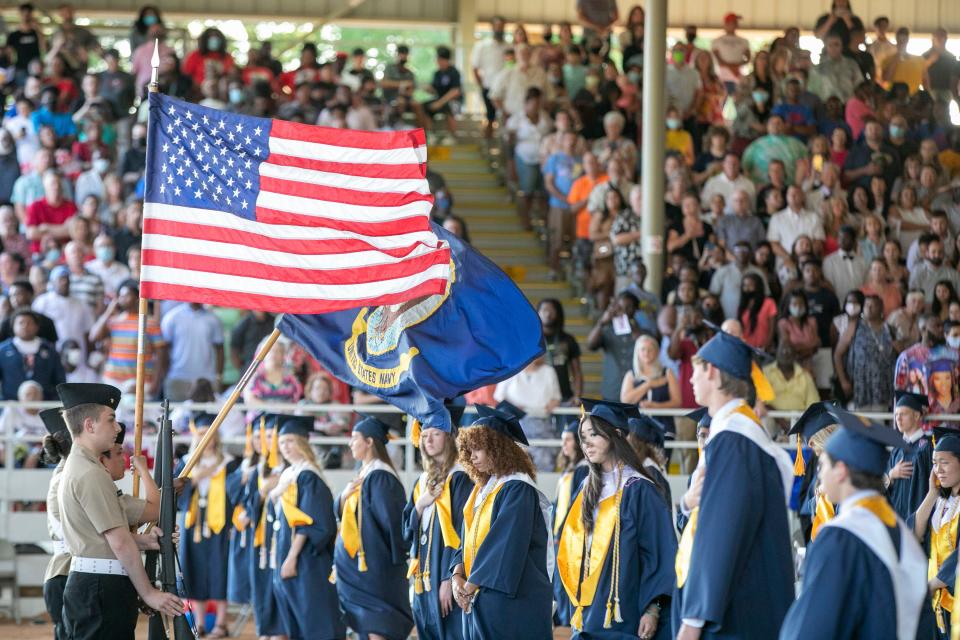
(615, 413)
(862, 444)
(121, 434)
(73, 394)
(736, 358)
(297, 426)
(572, 426)
(947, 440)
(815, 418)
(372, 427)
(53, 421)
(701, 416)
(511, 409)
(501, 422)
(915, 401)
(456, 416)
(648, 429)
(203, 419)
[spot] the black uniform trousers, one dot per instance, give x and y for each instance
(53, 599)
(99, 607)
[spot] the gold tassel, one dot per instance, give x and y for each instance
(274, 458)
(263, 437)
(576, 621)
(332, 578)
(418, 583)
(426, 581)
(608, 619)
(761, 384)
(248, 444)
(197, 533)
(616, 611)
(361, 561)
(799, 466)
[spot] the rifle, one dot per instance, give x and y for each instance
(162, 565)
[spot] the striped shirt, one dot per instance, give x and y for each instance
(121, 364)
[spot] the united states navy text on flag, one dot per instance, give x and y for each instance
(283, 217)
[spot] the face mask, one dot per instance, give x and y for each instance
(52, 255)
(935, 261)
(214, 43)
(140, 143)
(852, 309)
(796, 312)
(895, 131)
(678, 57)
(673, 123)
(236, 95)
(954, 342)
(104, 254)
(634, 77)
(74, 356)
(441, 201)
(760, 97)
(150, 20)
(101, 165)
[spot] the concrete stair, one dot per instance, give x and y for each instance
(495, 231)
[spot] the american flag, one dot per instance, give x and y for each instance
(283, 217)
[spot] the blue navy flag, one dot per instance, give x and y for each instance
(416, 354)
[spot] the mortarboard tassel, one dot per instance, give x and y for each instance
(608, 618)
(193, 427)
(361, 561)
(248, 445)
(415, 429)
(274, 459)
(799, 466)
(761, 384)
(616, 610)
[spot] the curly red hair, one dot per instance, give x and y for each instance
(507, 456)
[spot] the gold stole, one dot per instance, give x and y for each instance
(685, 550)
(942, 543)
(823, 513)
(581, 583)
(442, 509)
(288, 502)
(564, 489)
(351, 524)
(216, 509)
(476, 525)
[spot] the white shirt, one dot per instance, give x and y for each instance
(112, 274)
(71, 316)
(531, 391)
(529, 135)
(510, 86)
(845, 271)
(788, 225)
(723, 185)
(730, 49)
(27, 146)
(488, 58)
(682, 84)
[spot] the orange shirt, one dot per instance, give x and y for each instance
(579, 190)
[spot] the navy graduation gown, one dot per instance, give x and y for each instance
(648, 549)
(741, 577)
(906, 495)
(241, 543)
(515, 599)
(265, 611)
(204, 563)
(308, 603)
(563, 610)
(376, 600)
(847, 592)
(661, 481)
(431, 625)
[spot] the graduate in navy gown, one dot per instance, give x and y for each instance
(204, 521)
(735, 576)
(647, 436)
(812, 428)
(304, 534)
(908, 474)
(370, 556)
(617, 548)
(432, 521)
(573, 469)
(690, 499)
(935, 523)
(265, 610)
(241, 529)
(501, 578)
(864, 575)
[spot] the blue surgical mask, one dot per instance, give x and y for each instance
(634, 77)
(52, 255)
(214, 43)
(104, 254)
(101, 165)
(895, 131)
(673, 123)
(953, 342)
(150, 20)
(236, 95)
(760, 97)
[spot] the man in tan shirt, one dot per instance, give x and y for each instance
(106, 571)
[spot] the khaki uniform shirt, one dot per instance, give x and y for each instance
(59, 564)
(89, 505)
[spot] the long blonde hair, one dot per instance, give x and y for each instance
(437, 471)
(637, 346)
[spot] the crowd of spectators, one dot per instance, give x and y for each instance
(812, 208)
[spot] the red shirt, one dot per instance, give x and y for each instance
(41, 212)
(196, 63)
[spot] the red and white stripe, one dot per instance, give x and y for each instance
(342, 222)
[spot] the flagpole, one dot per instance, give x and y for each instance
(153, 87)
(232, 400)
